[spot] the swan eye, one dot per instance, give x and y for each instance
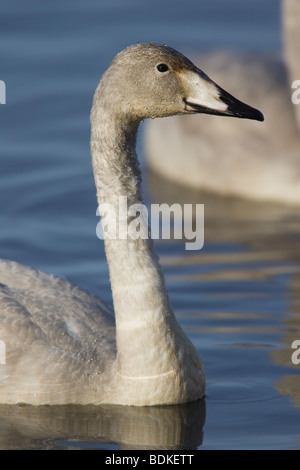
(162, 67)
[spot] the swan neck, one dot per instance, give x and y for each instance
(142, 309)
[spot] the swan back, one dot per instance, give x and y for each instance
(54, 334)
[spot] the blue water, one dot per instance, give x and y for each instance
(237, 299)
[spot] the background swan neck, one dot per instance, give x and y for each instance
(143, 312)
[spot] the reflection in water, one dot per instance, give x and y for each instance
(290, 383)
(54, 427)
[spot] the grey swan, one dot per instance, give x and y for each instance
(62, 344)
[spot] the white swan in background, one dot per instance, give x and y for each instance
(235, 158)
(62, 345)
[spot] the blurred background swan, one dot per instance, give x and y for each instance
(260, 162)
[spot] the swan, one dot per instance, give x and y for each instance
(261, 162)
(64, 345)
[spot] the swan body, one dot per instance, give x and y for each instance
(260, 162)
(64, 345)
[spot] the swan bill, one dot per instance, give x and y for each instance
(228, 106)
(203, 95)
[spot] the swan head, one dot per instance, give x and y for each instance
(152, 80)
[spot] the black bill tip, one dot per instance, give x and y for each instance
(237, 108)
(234, 107)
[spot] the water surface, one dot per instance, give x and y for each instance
(237, 299)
